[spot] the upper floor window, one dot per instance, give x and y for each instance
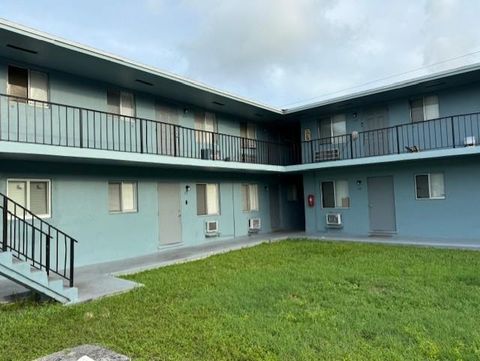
(166, 114)
(335, 194)
(424, 108)
(26, 83)
(248, 130)
(208, 200)
(121, 102)
(33, 194)
(206, 122)
(430, 186)
(333, 127)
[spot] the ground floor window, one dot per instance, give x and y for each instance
(430, 186)
(208, 200)
(250, 197)
(122, 196)
(33, 194)
(335, 194)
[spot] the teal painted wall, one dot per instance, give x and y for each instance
(454, 217)
(80, 206)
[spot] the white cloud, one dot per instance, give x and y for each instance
(275, 51)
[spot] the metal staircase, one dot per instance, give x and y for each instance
(36, 254)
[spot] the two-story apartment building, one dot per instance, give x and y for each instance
(127, 160)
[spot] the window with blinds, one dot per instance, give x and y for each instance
(121, 102)
(122, 197)
(26, 83)
(32, 194)
(208, 200)
(206, 123)
(424, 108)
(335, 194)
(250, 197)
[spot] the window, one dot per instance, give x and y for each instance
(122, 197)
(250, 197)
(307, 135)
(166, 114)
(292, 193)
(430, 186)
(207, 123)
(333, 127)
(248, 130)
(27, 83)
(335, 194)
(121, 102)
(424, 108)
(207, 199)
(33, 194)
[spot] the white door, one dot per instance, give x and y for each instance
(170, 213)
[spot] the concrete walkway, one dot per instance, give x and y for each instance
(97, 281)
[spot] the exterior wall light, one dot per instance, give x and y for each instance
(187, 188)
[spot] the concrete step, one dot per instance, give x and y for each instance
(37, 280)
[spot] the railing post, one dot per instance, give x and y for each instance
(47, 252)
(398, 140)
(453, 131)
(311, 152)
(81, 128)
(4, 224)
(351, 146)
(141, 136)
(72, 261)
(175, 129)
(213, 145)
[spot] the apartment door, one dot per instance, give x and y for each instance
(275, 221)
(167, 131)
(170, 213)
(377, 139)
(381, 204)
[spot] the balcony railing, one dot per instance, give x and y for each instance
(442, 133)
(38, 122)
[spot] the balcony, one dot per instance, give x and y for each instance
(458, 131)
(31, 121)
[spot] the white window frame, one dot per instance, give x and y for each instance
(206, 199)
(334, 193)
(27, 200)
(429, 186)
(424, 107)
(122, 209)
(121, 107)
(338, 138)
(248, 207)
(32, 101)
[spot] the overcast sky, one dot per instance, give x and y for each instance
(279, 52)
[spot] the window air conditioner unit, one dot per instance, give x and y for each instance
(334, 220)
(211, 228)
(254, 225)
(469, 141)
(328, 154)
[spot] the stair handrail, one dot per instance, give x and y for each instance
(32, 239)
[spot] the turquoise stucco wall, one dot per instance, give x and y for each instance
(81, 92)
(454, 217)
(80, 206)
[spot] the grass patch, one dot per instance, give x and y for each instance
(293, 300)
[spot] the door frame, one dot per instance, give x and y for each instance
(394, 211)
(180, 235)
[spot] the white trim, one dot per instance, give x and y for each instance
(27, 200)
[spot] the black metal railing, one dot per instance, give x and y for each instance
(33, 121)
(441, 133)
(35, 241)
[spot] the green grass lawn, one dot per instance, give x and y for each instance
(293, 300)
